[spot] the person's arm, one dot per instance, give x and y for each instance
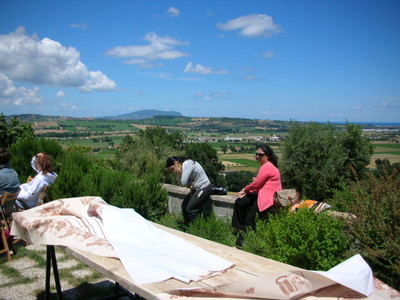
(187, 169)
(260, 180)
(28, 189)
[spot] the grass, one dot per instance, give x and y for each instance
(244, 162)
(88, 284)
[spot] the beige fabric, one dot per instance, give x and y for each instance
(351, 279)
(148, 254)
(71, 222)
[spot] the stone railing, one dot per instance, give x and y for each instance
(222, 205)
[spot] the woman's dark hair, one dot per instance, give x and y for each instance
(4, 156)
(270, 153)
(172, 159)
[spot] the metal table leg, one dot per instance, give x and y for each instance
(51, 261)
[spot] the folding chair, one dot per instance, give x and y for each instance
(7, 204)
(44, 197)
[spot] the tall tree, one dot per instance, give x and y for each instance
(11, 131)
(318, 158)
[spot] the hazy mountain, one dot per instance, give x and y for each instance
(143, 114)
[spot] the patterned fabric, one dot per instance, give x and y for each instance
(149, 254)
(351, 279)
(72, 222)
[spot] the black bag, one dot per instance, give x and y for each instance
(217, 190)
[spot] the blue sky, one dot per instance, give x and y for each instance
(308, 60)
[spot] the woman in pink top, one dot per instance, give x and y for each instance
(258, 197)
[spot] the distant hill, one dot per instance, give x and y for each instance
(143, 114)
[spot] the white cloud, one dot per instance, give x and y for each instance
(60, 94)
(252, 25)
(199, 69)
(68, 106)
(97, 81)
(173, 12)
(80, 25)
(249, 78)
(46, 62)
(12, 95)
(268, 54)
(168, 76)
(159, 48)
(216, 95)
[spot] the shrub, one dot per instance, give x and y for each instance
(145, 195)
(303, 239)
(24, 149)
(172, 221)
(210, 228)
(238, 180)
(317, 158)
(375, 202)
(70, 181)
(213, 229)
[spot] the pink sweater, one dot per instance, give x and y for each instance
(267, 182)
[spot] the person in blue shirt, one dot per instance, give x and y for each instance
(9, 181)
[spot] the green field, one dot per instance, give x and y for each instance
(97, 125)
(101, 134)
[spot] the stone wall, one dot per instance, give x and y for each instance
(222, 205)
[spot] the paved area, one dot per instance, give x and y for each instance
(23, 278)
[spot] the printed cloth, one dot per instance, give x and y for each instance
(351, 279)
(149, 254)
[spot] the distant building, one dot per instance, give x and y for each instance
(232, 139)
(274, 138)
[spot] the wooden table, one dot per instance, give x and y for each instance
(248, 266)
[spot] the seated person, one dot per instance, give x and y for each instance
(9, 181)
(30, 192)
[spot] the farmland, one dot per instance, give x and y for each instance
(237, 136)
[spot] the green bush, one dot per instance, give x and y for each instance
(303, 239)
(70, 180)
(375, 202)
(213, 229)
(24, 149)
(172, 221)
(238, 180)
(318, 158)
(145, 195)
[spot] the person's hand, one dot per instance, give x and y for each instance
(241, 194)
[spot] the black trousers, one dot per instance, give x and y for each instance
(245, 211)
(196, 202)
